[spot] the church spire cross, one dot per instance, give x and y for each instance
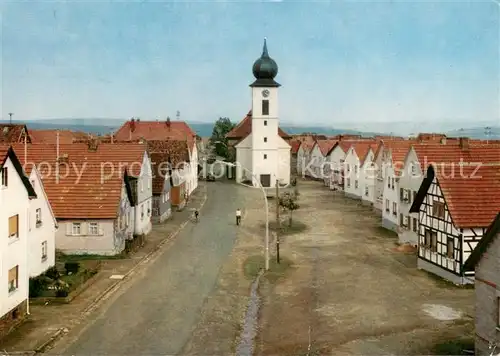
(264, 49)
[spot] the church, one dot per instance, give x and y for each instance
(262, 150)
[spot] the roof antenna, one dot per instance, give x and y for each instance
(10, 118)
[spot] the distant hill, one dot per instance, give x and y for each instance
(106, 126)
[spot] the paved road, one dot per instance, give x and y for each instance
(157, 314)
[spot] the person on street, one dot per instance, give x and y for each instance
(238, 216)
(196, 213)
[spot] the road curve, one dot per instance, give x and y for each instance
(158, 312)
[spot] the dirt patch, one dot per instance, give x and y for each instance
(348, 292)
(277, 271)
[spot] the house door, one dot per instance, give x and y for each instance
(265, 180)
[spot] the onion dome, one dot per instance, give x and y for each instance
(265, 70)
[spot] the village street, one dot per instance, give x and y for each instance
(158, 310)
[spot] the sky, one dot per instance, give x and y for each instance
(346, 63)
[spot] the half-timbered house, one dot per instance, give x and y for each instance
(455, 206)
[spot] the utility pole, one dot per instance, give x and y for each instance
(10, 117)
(277, 221)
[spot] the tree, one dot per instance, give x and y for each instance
(289, 202)
(218, 139)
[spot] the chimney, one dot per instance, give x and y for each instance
(132, 125)
(92, 145)
(167, 122)
(464, 143)
(64, 158)
(443, 141)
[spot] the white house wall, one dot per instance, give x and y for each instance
(352, 175)
(411, 179)
(315, 163)
(103, 243)
(144, 206)
(367, 179)
(336, 159)
(13, 250)
(43, 233)
(390, 195)
(378, 195)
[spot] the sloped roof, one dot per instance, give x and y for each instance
(90, 183)
(12, 133)
(160, 168)
(428, 153)
(471, 192)
(155, 130)
(325, 146)
(491, 234)
(7, 152)
(50, 136)
(176, 151)
(244, 128)
(295, 144)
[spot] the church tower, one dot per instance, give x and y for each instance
(265, 137)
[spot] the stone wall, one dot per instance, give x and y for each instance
(12, 319)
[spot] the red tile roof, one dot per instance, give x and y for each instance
(159, 163)
(155, 130)
(362, 149)
(472, 197)
(13, 133)
(50, 136)
(90, 183)
(325, 146)
(244, 128)
(428, 153)
(295, 146)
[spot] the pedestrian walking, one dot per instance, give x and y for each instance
(238, 216)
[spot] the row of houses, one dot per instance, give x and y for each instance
(90, 195)
(439, 194)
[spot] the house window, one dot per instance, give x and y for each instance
(13, 279)
(33, 183)
(394, 209)
(44, 251)
(348, 168)
(366, 190)
(415, 226)
(450, 246)
(438, 209)
(413, 169)
(142, 212)
(93, 228)
(348, 182)
(427, 238)
(5, 177)
(355, 169)
(265, 139)
(414, 195)
(387, 205)
(400, 219)
(265, 122)
(389, 182)
(265, 107)
(392, 185)
(434, 241)
(14, 226)
(76, 229)
(265, 156)
(356, 184)
(38, 217)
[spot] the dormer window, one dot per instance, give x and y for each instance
(265, 107)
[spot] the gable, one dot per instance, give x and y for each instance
(40, 192)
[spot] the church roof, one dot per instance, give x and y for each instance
(265, 70)
(244, 128)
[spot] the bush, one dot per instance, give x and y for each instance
(72, 267)
(37, 286)
(53, 273)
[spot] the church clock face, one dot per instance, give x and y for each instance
(265, 93)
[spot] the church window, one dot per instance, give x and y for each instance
(265, 139)
(265, 156)
(265, 107)
(265, 122)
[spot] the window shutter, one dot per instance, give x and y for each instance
(69, 229)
